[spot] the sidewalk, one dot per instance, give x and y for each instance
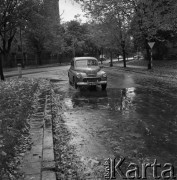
(160, 71)
(38, 162)
(10, 72)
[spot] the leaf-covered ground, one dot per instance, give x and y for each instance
(156, 63)
(16, 97)
(163, 68)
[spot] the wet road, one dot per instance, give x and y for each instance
(135, 119)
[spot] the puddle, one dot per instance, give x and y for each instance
(140, 123)
(56, 80)
(137, 123)
(112, 99)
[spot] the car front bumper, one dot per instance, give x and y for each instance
(91, 83)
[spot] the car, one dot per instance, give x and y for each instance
(138, 57)
(85, 71)
(102, 57)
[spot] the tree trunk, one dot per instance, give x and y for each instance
(1, 69)
(148, 55)
(102, 52)
(36, 58)
(124, 57)
(111, 64)
(5, 57)
(39, 58)
(123, 52)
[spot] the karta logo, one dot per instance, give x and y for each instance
(114, 168)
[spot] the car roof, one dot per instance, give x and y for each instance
(83, 58)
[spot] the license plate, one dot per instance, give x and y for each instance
(92, 83)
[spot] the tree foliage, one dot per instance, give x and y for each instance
(13, 14)
(76, 35)
(43, 34)
(153, 21)
(144, 20)
(115, 17)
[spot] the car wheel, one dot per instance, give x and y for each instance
(93, 87)
(74, 83)
(103, 86)
(69, 79)
(70, 82)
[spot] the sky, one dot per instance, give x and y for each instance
(68, 9)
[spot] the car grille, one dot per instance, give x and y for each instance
(91, 79)
(91, 75)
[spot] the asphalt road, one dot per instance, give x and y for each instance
(135, 119)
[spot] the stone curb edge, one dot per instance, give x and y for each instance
(48, 162)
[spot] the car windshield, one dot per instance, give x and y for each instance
(86, 62)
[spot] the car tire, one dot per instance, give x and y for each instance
(94, 88)
(103, 86)
(74, 83)
(70, 82)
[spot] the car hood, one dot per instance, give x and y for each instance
(88, 70)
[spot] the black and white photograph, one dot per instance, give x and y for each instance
(88, 89)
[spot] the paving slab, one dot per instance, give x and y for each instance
(38, 162)
(48, 175)
(33, 177)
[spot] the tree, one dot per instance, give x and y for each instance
(115, 17)
(153, 21)
(147, 18)
(13, 14)
(76, 35)
(44, 34)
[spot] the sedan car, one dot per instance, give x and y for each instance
(85, 71)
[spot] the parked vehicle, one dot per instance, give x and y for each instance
(138, 56)
(102, 57)
(85, 71)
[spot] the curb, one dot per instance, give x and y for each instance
(36, 67)
(48, 162)
(38, 163)
(17, 74)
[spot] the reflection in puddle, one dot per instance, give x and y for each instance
(68, 102)
(112, 99)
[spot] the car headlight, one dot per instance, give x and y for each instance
(79, 76)
(104, 75)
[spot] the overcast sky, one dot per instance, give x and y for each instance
(68, 9)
